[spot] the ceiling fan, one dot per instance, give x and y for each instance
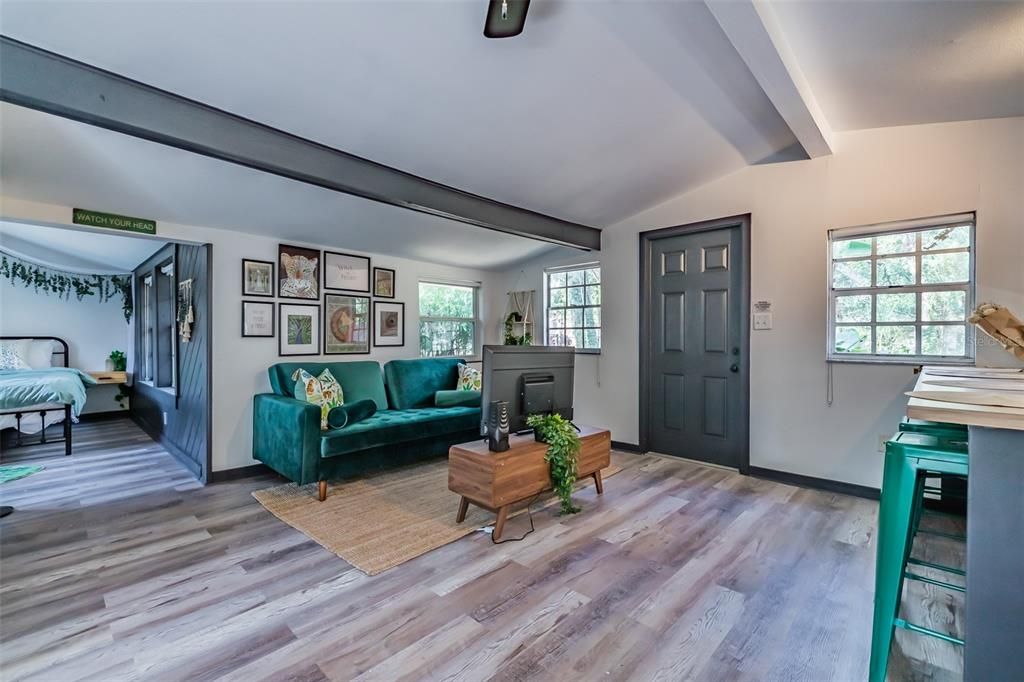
(505, 18)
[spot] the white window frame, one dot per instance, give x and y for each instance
(548, 272)
(475, 286)
(148, 331)
(968, 287)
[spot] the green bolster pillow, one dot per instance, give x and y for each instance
(457, 399)
(351, 413)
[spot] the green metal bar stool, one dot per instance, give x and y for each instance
(952, 497)
(910, 458)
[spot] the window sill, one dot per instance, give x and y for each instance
(908, 362)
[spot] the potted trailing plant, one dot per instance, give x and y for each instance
(118, 361)
(563, 449)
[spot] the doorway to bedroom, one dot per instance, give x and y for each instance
(104, 358)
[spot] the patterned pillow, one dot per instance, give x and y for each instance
(13, 354)
(469, 379)
(323, 390)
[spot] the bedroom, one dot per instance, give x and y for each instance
(90, 335)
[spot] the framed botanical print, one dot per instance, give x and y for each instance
(346, 324)
(257, 278)
(384, 282)
(257, 319)
(345, 272)
(298, 329)
(299, 274)
(388, 323)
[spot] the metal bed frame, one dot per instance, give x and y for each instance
(18, 414)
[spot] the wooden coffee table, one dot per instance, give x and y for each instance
(497, 480)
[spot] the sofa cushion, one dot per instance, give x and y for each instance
(457, 398)
(359, 380)
(399, 426)
(413, 383)
(351, 413)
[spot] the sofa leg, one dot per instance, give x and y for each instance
(321, 491)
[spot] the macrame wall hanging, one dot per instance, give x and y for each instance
(63, 284)
(519, 318)
(186, 313)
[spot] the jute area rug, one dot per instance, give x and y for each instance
(386, 519)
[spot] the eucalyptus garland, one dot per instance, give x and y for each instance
(64, 284)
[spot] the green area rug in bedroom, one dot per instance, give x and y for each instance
(15, 471)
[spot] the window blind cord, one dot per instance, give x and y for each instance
(829, 385)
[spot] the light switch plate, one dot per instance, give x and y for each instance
(762, 321)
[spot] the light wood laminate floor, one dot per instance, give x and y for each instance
(117, 566)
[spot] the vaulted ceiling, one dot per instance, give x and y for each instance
(597, 111)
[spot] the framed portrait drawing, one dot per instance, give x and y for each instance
(346, 324)
(298, 329)
(298, 273)
(257, 319)
(384, 282)
(257, 278)
(388, 323)
(345, 272)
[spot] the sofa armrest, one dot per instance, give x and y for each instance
(286, 436)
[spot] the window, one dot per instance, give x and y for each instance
(574, 308)
(448, 319)
(902, 292)
(148, 327)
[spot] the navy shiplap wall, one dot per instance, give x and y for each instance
(187, 407)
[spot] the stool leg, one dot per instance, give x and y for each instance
(895, 516)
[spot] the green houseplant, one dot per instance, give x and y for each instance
(563, 450)
(119, 360)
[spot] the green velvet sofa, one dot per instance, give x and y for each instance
(406, 428)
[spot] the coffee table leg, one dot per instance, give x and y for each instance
(463, 508)
(499, 525)
(599, 482)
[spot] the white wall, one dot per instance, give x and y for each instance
(240, 365)
(874, 176)
(92, 329)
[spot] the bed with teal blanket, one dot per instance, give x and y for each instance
(29, 394)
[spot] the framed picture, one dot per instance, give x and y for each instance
(384, 282)
(299, 273)
(346, 324)
(388, 323)
(345, 272)
(257, 278)
(257, 319)
(299, 332)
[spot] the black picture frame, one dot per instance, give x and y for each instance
(353, 256)
(376, 321)
(287, 250)
(394, 277)
(328, 325)
(272, 281)
(273, 320)
(314, 336)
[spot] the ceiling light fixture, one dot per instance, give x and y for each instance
(505, 18)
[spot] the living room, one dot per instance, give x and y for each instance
(721, 239)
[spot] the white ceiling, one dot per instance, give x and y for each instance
(76, 250)
(878, 64)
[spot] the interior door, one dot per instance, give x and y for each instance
(696, 381)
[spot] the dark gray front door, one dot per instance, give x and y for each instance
(696, 384)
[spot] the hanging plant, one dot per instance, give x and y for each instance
(64, 284)
(563, 451)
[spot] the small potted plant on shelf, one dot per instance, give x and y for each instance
(563, 450)
(118, 361)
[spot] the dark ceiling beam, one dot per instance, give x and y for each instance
(42, 80)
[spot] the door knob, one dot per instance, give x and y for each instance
(734, 368)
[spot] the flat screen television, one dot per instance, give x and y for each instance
(531, 379)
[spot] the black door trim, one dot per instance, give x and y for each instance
(741, 221)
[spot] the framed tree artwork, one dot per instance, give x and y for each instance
(346, 272)
(257, 278)
(257, 319)
(299, 275)
(388, 323)
(384, 282)
(298, 329)
(346, 324)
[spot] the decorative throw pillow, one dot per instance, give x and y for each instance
(40, 354)
(323, 390)
(13, 354)
(469, 379)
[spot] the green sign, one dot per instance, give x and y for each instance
(80, 216)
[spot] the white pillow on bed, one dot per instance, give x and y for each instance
(14, 354)
(40, 354)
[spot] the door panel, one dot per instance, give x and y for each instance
(695, 374)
